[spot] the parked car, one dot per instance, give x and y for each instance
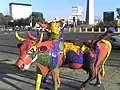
(115, 41)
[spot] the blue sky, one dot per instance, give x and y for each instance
(62, 8)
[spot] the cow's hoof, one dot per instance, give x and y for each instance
(45, 81)
(98, 85)
(58, 85)
(82, 88)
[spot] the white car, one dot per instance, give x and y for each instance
(115, 41)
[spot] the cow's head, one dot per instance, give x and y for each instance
(28, 51)
(54, 26)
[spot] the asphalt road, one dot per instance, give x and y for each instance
(13, 79)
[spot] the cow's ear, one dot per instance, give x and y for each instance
(31, 36)
(19, 45)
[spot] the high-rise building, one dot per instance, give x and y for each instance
(90, 12)
(108, 16)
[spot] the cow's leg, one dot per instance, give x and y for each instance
(41, 70)
(38, 81)
(90, 78)
(45, 80)
(58, 77)
(102, 72)
(98, 82)
(54, 78)
(91, 70)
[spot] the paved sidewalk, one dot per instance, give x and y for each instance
(13, 79)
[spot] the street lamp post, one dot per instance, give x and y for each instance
(7, 21)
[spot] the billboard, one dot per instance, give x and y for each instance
(19, 10)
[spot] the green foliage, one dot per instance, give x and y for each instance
(20, 22)
(118, 13)
(37, 17)
(118, 17)
(1, 19)
(5, 19)
(27, 21)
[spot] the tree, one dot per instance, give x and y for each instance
(21, 22)
(7, 19)
(118, 13)
(11, 24)
(118, 16)
(2, 19)
(27, 21)
(37, 17)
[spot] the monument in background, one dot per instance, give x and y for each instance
(90, 12)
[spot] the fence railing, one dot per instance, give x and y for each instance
(76, 30)
(87, 30)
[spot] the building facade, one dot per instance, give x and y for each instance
(20, 10)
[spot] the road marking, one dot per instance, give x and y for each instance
(9, 33)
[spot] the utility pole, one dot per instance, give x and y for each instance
(7, 21)
(31, 21)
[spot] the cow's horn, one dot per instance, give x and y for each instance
(18, 37)
(41, 38)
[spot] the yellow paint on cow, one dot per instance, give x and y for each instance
(110, 48)
(38, 81)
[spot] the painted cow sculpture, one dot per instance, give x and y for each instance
(48, 58)
(42, 53)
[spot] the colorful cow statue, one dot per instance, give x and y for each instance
(49, 56)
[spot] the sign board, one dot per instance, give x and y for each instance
(74, 9)
(77, 10)
(20, 10)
